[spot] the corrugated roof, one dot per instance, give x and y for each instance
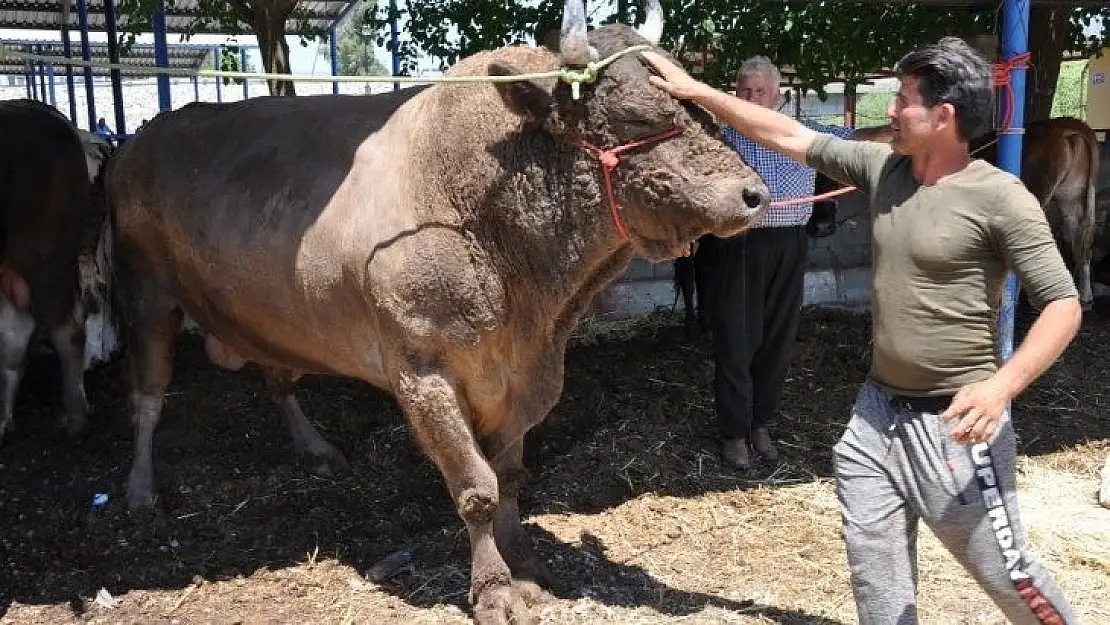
(47, 15)
(181, 55)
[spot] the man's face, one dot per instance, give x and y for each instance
(913, 124)
(759, 89)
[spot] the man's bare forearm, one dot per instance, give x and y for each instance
(772, 129)
(1047, 338)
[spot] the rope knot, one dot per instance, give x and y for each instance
(609, 160)
(1001, 76)
(575, 77)
(1000, 71)
(588, 74)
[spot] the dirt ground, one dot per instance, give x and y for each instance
(629, 505)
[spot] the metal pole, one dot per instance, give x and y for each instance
(849, 106)
(113, 57)
(32, 82)
(161, 55)
(1015, 40)
(196, 89)
(216, 66)
(86, 55)
(333, 45)
(50, 85)
(27, 82)
(243, 68)
(41, 71)
(67, 51)
(396, 59)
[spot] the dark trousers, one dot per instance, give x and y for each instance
(755, 289)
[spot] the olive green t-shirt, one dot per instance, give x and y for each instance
(940, 255)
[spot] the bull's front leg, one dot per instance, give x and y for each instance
(439, 423)
(529, 572)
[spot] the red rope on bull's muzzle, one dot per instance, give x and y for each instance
(609, 160)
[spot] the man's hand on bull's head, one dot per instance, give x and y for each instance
(672, 78)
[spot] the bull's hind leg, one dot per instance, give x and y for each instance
(151, 323)
(317, 454)
(69, 343)
(513, 542)
(16, 327)
(438, 420)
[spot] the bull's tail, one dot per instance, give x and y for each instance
(1090, 218)
(1092, 191)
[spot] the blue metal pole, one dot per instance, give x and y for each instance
(333, 45)
(28, 83)
(113, 57)
(196, 89)
(161, 55)
(86, 54)
(1015, 41)
(67, 51)
(216, 66)
(50, 84)
(29, 71)
(396, 59)
(42, 76)
(243, 67)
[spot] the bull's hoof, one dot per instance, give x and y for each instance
(7, 425)
(73, 425)
(532, 592)
(140, 492)
(328, 465)
(529, 568)
(502, 605)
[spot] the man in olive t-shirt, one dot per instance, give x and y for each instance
(930, 435)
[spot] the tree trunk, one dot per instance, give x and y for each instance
(269, 28)
(1049, 27)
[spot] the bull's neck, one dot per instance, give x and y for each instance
(540, 203)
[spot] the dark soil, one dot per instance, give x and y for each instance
(636, 417)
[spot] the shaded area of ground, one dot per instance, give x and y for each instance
(241, 530)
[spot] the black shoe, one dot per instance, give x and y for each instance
(735, 453)
(761, 442)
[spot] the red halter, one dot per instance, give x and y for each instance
(611, 158)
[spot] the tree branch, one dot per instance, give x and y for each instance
(244, 10)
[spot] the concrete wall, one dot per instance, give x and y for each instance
(838, 272)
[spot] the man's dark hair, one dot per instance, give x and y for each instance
(952, 71)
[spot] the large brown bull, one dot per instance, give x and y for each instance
(438, 243)
(45, 210)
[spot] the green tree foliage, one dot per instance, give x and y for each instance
(823, 41)
(356, 51)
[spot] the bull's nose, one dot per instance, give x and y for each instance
(754, 197)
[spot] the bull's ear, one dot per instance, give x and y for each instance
(523, 97)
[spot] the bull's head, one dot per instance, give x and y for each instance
(683, 181)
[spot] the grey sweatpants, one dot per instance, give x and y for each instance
(895, 466)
